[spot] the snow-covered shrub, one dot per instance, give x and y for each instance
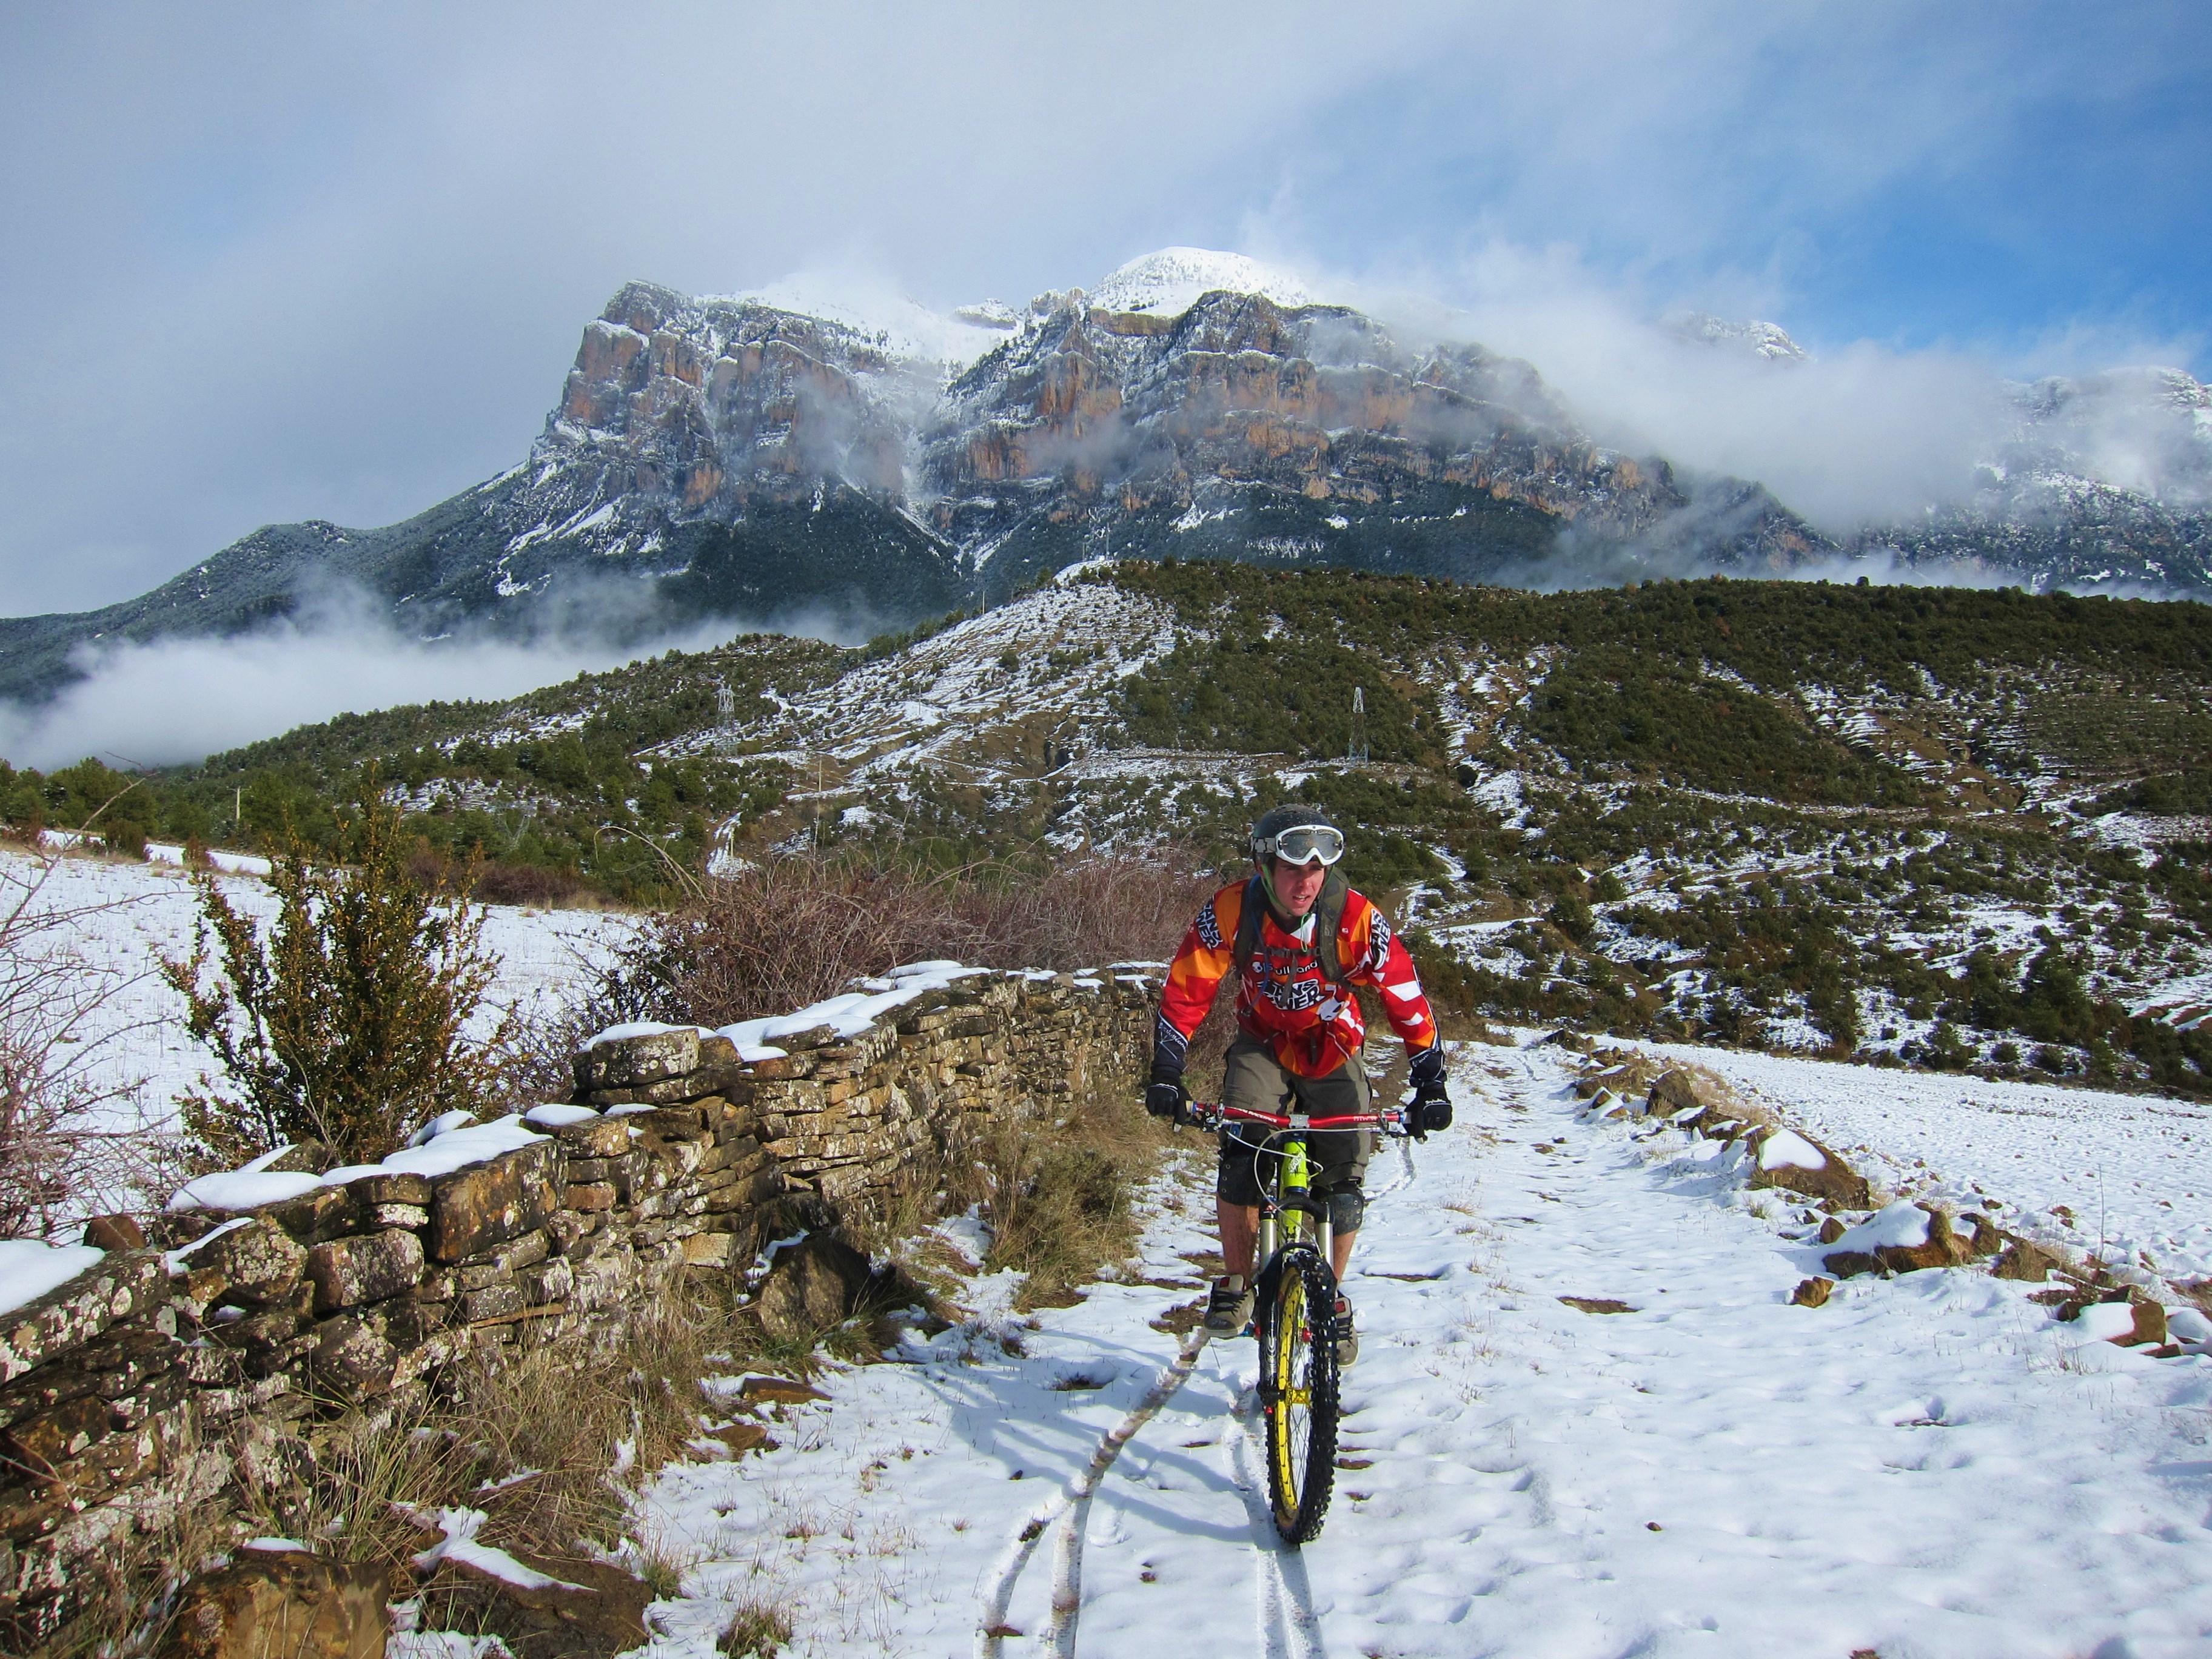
(346, 1023)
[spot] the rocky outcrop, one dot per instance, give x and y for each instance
(362, 1292)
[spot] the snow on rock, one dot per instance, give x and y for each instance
(1785, 1149)
(435, 1153)
(2105, 1322)
(1174, 279)
(29, 1268)
(851, 1012)
(858, 301)
(638, 1028)
(246, 1188)
(444, 1124)
(555, 1117)
(2126, 1177)
(1902, 1225)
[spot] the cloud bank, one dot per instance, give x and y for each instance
(175, 702)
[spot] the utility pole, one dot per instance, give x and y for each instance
(1356, 754)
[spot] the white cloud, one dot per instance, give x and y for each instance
(177, 701)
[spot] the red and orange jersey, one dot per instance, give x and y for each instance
(1283, 998)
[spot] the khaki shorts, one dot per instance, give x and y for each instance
(1253, 1079)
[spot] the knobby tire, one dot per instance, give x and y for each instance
(1299, 1394)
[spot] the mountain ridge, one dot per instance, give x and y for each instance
(732, 458)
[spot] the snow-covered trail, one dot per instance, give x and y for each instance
(1927, 1465)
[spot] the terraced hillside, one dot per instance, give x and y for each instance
(1947, 827)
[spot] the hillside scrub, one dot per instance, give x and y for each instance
(800, 928)
(346, 1022)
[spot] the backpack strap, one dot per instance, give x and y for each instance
(1329, 920)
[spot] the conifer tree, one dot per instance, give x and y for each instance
(347, 1021)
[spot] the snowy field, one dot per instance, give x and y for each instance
(2126, 1177)
(136, 911)
(1927, 1468)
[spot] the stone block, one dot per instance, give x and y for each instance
(2022, 1260)
(259, 1263)
(35, 1446)
(290, 1605)
(354, 1356)
(376, 1217)
(493, 1302)
(410, 1322)
(707, 1082)
(551, 1281)
(671, 1122)
(568, 1609)
(370, 1268)
(117, 1287)
(814, 1284)
(601, 1137)
(589, 1195)
(313, 1217)
(1834, 1180)
(627, 1062)
(474, 1209)
(388, 1187)
(710, 1250)
(114, 1233)
(568, 1229)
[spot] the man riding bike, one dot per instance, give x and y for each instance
(1299, 940)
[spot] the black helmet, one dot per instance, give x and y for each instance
(1297, 835)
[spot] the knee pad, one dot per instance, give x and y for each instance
(1346, 1206)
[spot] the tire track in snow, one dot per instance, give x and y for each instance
(1289, 1629)
(1067, 1516)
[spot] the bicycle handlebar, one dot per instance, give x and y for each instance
(1205, 1114)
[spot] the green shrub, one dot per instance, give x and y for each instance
(346, 1023)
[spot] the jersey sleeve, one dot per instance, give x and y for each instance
(1369, 940)
(1208, 953)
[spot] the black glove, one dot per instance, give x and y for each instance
(1166, 1097)
(1431, 1108)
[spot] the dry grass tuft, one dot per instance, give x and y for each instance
(1062, 1196)
(756, 1630)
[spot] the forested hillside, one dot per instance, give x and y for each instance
(1955, 827)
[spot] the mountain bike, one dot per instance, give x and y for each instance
(1294, 1315)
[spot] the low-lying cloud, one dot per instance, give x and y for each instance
(174, 701)
(1865, 434)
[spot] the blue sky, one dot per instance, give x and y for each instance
(271, 262)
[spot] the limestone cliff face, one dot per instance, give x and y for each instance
(702, 407)
(1296, 433)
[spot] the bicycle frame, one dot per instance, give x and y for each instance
(1286, 1202)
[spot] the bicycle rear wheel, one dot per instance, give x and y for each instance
(1299, 1388)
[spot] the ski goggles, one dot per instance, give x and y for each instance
(1305, 844)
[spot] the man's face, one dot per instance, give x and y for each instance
(1297, 885)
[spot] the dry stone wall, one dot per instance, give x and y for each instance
(114, 1387)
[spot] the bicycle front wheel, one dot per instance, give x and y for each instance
(1301, 1395)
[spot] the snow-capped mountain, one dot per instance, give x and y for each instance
(828, 449)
